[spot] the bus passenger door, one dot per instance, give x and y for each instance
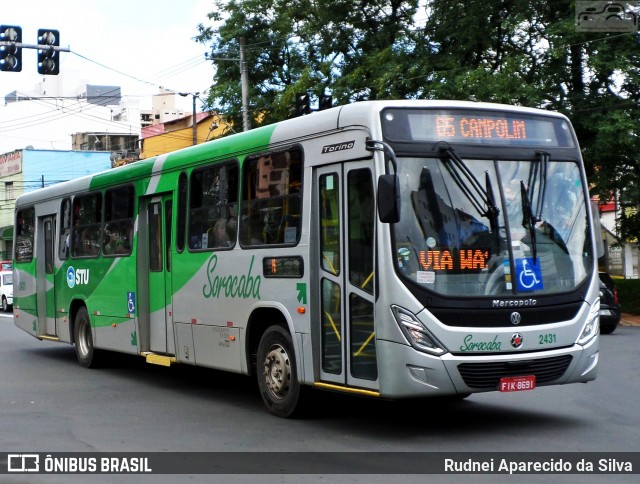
(45, 268)
(159, 212)
(346, 225)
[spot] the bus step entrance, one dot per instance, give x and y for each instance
(161, 360)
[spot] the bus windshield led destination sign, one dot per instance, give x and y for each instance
(477, 127)
(448, 126)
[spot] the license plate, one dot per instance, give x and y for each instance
(605, 312)
(517, 383)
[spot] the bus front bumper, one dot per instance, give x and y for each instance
(410, 373)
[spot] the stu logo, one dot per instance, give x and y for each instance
(77, 277)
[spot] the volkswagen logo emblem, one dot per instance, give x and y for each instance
(517, 340)
(515, 318)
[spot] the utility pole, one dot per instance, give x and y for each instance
(244, 79)
(194, 123)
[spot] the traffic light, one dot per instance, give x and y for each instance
(325, 102)
(10, 54)
(303, 104)
(48, 57)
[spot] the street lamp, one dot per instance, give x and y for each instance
(193, 122)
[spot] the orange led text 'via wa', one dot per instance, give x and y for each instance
(447, 260)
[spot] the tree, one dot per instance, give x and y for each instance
(524, 52)
(355, 49)
(529, 52)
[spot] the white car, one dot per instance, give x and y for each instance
(6, 290)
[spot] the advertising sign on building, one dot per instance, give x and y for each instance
(10, 163)
(616, 261)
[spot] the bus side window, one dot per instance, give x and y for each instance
(64, 243)
(212, 207)
(118, 218)
(25, 220)
(181, 218)
(85, 234)
(272, 199)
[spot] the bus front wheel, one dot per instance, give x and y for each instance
(85, 352)
(277, 373)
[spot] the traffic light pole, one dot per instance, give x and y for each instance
(36, 46)
(48, 48)
(48, 56)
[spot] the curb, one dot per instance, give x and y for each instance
(630, 319)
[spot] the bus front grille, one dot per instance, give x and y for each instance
(487, 376)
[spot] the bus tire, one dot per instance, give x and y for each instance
(85, 352)
(277, 373)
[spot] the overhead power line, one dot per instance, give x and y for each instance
(172, 70)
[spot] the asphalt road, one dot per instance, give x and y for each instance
(51, 404)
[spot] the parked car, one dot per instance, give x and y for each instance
(610, 311)
(6, 265)
(6, 290)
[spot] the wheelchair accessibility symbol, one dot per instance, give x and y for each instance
(131, 302)
(528, 274)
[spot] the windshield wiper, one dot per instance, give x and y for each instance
(529, 219)
(538, 175)
(474, 191)
(492, 208)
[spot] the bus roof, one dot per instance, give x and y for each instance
(290, 131)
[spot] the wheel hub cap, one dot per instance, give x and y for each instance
(277, 371)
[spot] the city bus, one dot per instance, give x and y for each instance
(390, 249)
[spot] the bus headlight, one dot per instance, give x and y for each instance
(592, 326)
(416, 333)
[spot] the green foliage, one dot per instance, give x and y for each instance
(629, 295)
(524, 52)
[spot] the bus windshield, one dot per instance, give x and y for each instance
(522, 231)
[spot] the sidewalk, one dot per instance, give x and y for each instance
(630, 319)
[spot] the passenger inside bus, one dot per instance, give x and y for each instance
(117, 242)
(220, 236)
(88, 243)
(253, 229)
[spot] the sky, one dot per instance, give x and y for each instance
(140, 45)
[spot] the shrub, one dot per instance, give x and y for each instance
(629, 295)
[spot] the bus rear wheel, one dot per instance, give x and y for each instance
(277, 373)
(85, 352)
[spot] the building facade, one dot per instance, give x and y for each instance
(621, 257)
(22, 171)
(179, 133)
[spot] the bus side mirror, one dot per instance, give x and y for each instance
(597, 229)
(389, 199)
